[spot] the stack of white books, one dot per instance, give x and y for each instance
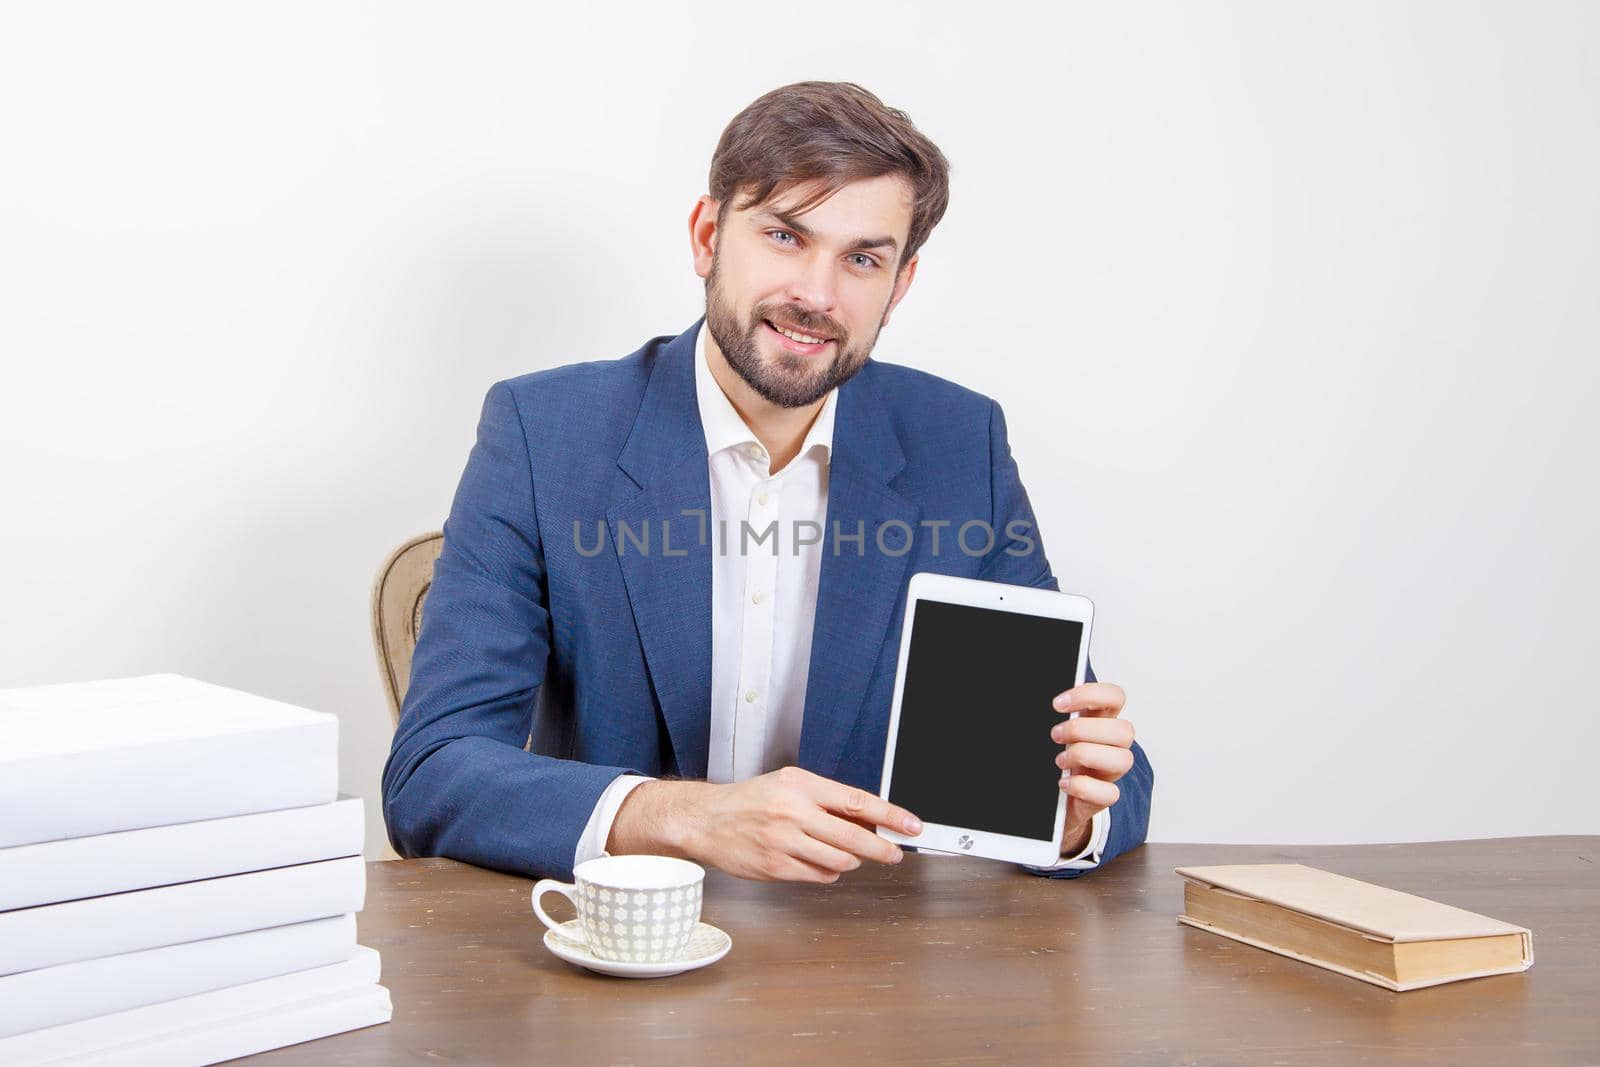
(178, 876)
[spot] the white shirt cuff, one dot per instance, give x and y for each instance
(1089, 858)
(592, 843)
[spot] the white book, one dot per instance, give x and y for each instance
(79, 867)
(248, 1035)
(220, 1025)
(98, 757)
(66, 993)
(53, 934)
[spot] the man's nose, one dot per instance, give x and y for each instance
(816, 287)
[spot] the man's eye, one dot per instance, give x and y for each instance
(865, 262)
(782, 233)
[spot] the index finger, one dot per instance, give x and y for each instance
(866, 808)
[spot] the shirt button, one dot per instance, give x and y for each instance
(749, 696)
(756, 599)
(762, 500)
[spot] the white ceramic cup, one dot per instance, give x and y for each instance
(634, 909)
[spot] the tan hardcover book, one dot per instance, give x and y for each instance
(1378, 935)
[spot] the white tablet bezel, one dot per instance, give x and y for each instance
(1023, 600)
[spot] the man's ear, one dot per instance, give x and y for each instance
(703, 234)
(902, 282)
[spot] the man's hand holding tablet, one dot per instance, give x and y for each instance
(786, 825)
(1098, 751)
(978, 695)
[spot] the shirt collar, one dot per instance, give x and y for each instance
(725, 428)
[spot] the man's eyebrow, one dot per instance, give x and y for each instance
(805, 231)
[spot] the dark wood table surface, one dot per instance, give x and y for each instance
(949, 960)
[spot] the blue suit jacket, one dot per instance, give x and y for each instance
(600, 663)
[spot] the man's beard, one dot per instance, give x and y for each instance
(790, 381)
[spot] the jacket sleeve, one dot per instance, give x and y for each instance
(458, 781)
(1018, 558)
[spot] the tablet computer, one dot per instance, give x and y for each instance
(969, 748)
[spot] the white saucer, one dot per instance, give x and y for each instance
(707, 945)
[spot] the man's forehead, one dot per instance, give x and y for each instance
(884, 190)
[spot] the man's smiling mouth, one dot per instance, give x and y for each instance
(797, 336)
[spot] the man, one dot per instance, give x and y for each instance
(722, 691)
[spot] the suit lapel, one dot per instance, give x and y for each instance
(857, 592)
(669, 592)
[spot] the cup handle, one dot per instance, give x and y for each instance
(550, 885)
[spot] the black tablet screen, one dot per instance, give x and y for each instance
(974, 745)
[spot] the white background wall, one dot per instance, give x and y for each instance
(1292, 309)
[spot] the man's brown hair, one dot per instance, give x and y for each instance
(833, 133)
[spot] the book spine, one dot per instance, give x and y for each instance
(56, 871)
(174, 781)
(52, 996)
(149, 918)
(119, 1036)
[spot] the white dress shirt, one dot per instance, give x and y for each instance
(763, 601)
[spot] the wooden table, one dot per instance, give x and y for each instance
(947, 960)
